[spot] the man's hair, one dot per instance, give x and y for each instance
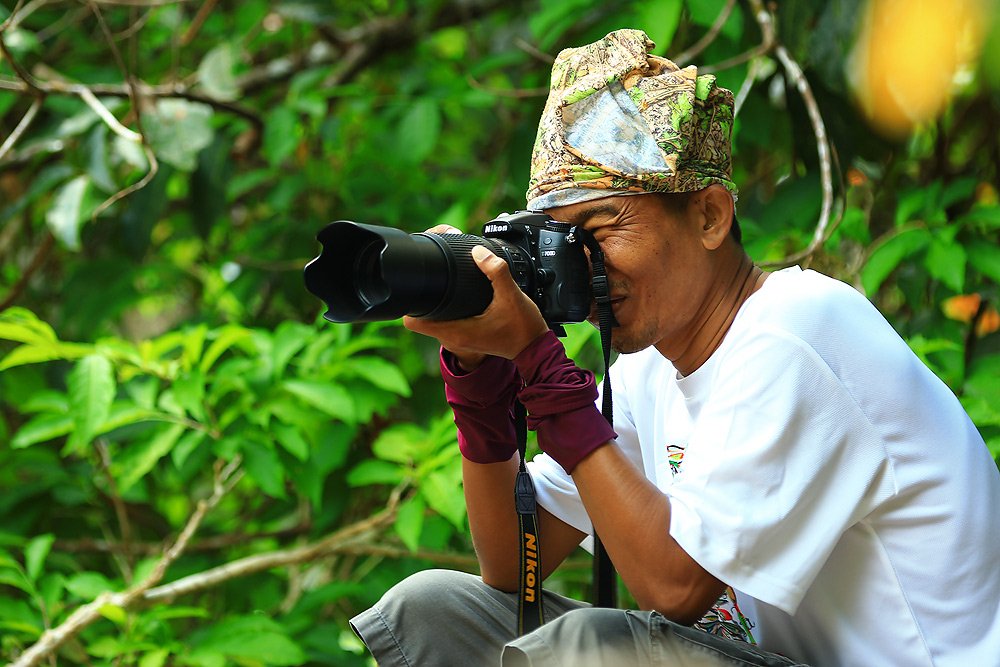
(677, 202)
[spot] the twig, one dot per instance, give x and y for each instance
(133, 89)
(37, 260)
(533, 50)
(199, 19)
(213, 543)
(244, 566)
(767, 42)
(23, 74)
(178, 90)
(124, 525)
(514, 93)
(770, 43)
(20, 13)
(22, 126)
(137, 25)
(753, 71)
(109, 118)
(83, 616)
(695, 49)
(154, 168)
(822, 148)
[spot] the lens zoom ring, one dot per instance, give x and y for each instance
(470, 291)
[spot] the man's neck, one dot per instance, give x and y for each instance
(716, 316)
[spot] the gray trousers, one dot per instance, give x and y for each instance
(445, 618)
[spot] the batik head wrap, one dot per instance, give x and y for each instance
(621, 121)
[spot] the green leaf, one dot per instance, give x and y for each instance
(41, 429)
(139, 459)
(282, 134)
(659, 18)
(887, 255)
(91, 387)
(33, 354)
(985, 258)
(946, 262)
(332, 399)
(291, 439)
(189, 392)
(18, 580)
(177, 130)
(401, 443)
(984, 379)
(97, 160)
(23, 326)
(554, 17)
(186, 446)
(374, 472)
(35, 553)
(289, 338)
(911, 205)
(216, 73)
(46, 401)
(194, 343)
(443, 492)
(418, 130)
(988, 216)
(156, 658)
(410, 522)
(227, 337)
(381, 373)
(255, 638)
(264, 467)
(113, 613)
(124, 413)
(65, 217)
(88, 585)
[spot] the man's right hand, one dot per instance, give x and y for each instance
(507, 326)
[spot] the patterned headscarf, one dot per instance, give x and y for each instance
(621, 121)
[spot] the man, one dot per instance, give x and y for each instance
(784, 468)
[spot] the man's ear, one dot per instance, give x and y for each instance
(714, 209)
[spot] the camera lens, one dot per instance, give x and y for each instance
(368, 273)
(368, 282)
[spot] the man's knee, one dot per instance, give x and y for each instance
(428, 593)
(438, 617)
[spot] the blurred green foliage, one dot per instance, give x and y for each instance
(147, 335)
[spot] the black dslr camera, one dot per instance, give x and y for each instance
(367, 273)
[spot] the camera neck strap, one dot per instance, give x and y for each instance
(529, 599)
(605, 590)
(530, 614)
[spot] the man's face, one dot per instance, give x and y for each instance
(654, 259)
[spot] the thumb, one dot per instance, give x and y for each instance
(492, 266)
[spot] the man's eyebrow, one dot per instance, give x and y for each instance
(594, 211)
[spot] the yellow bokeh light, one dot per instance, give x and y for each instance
(904, 65)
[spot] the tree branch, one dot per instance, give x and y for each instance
(22, 126)
(226, 477)
(178, 90)
(695, 49)
(242, 567)
(19, 13)
(822, 148)
(769, 43)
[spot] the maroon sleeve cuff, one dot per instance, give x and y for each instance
(482, 401)
(560, 399)
(482, 386)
